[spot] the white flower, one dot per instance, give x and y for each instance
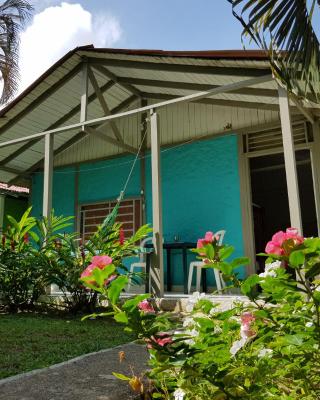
(193, 300)
(265, 353)
(188, 322)
(217, 330)
(237, 345)
(179, 394)
(192, 333)
(309, 324)
(270, 269)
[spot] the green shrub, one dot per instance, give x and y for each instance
(264, 348)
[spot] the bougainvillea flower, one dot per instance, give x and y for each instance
(146, 306)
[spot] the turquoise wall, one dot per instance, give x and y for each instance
(200, 185)
(201, 192)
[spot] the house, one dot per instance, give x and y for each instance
(218, 145)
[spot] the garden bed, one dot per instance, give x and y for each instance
(30, 341)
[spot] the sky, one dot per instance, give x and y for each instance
(58, 26)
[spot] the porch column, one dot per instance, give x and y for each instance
(290, 160)
(156, 272)
(48, 175)
(2, 201)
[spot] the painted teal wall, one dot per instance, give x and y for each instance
(201, 192)
(200, 185)
(63, 193)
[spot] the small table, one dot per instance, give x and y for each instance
(184, 246)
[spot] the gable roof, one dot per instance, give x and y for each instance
(126, 76)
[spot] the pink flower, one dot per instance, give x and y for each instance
(272, 248)
(87, 271)
(209, 236)
(247, 318)
(146, 306)
(292, 233)
(164, 341)
(110, 279)
(101, 261)
(275, 246)
(97, 262)
(201, 243)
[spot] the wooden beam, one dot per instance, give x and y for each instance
(104, 105)
(46, 94)
(109, 139)
(290, 161)
(114, 78)
(195, 86)
(10, 170)
(74, 111)
(216, 102)
(185, 68)
(76, 138)
(304, 111)
(48, 175)
(156, 272)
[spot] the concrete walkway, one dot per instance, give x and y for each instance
(87, 377)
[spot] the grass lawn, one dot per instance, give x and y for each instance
(30, 341)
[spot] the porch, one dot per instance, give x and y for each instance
(188, 121)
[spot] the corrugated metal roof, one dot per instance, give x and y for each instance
(53, 100)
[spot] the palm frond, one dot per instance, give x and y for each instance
(283, 28)
(13, 16)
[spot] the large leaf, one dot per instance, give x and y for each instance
(283, 28)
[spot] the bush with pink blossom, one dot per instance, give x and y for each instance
(267, 347)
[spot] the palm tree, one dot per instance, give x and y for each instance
(13, 15)
(283, 28)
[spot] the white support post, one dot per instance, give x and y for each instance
(290, 160)
(48, 175)
(84, 93)
(156, 271)
(2, 203)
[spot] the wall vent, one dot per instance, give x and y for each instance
(271, 139)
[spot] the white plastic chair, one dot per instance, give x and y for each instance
(200, 264)
(141, 264)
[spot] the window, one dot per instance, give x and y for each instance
(92, 215)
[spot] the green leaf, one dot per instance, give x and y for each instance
(225, 252)
(297, 258)
(121, 317)
(249, 285)
(121, 376)
(116, 288)
(240, 261)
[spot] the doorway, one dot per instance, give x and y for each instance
(270, 206)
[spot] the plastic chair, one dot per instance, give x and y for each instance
(141, 264)
(198, 265)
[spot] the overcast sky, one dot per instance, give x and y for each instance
(58, 26)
